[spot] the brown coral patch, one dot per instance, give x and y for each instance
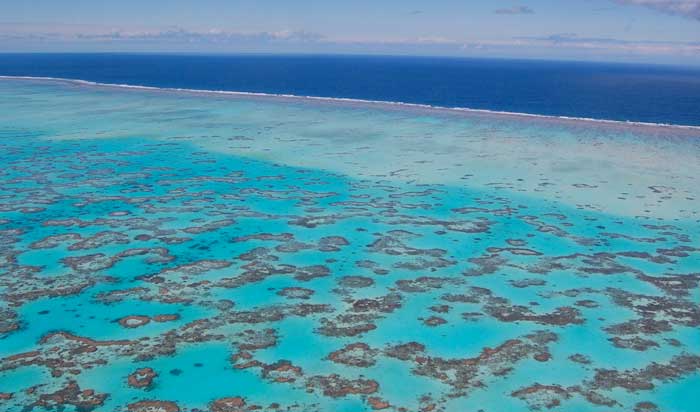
(355, 282)
(71, 395)
(646, 407)
(539, 396)
(281, 371)
(250, 339)
(634, 343)
(424, 284)
(142, 378)
(378, 403)
(336, 386)
(296, 293)
(153, 406)
(230, 404)
(355, 354)
(166, 318)
(514, 313)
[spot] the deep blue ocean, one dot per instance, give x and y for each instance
(644, 93)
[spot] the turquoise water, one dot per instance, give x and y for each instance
(167, 251)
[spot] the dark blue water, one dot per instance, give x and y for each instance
(656, 94)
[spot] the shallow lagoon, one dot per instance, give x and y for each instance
(165, 249)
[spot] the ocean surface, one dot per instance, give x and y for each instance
(166, 251)
(652, 94)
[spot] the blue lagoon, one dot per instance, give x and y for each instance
(166, 250)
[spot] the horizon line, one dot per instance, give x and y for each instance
(687, 65)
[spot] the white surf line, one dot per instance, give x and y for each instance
(349, 100)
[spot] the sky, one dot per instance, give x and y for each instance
(658, 31)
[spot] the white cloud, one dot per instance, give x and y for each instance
(515, 10)
(687, 8)
(91, 38)
(648, 47)
(86, 33)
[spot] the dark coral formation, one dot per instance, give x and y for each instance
(356, 354)
(142, 378)
(136, 257)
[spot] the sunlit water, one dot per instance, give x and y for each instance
(165, 251)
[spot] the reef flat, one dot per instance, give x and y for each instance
(179, 251)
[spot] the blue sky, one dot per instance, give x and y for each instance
(662, 31)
